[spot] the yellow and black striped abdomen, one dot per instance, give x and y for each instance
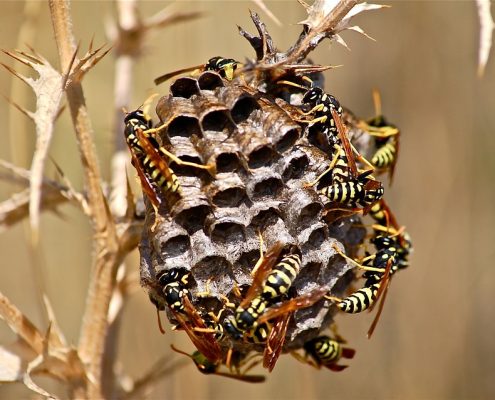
(360, 300)
(348, 193)
(259, 334)
(340, 172)
(378, 213)
(246, 318)
(167, 183)
(385, 155)
(281, 277)
(327, 350)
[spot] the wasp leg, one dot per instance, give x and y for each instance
(316, 108)
(260, 260)
(330, 167)
(207, 292)
(360, 266)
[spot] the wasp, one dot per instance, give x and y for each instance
(282, 275)
(281, 315)
(225, 67)
(178, 300)
(205, 366)
(386, 139)
(175, 282)
(326, 352)
(270, 283)
(387, 223)
(378, 268)
(278, 280)
(253, 305)
(348, 187)
(321, 104)
(150, 166)
(149, 158)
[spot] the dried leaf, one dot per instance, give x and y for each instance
(486, 30)
(48, 89)
(33, 386)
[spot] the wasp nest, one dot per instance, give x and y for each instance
(262, 157)
(263, 162)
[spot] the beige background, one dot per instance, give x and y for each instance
(435, 339)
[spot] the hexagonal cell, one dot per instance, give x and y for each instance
(184, 87)
(218, 271)
(219, 121)
(243, 108)
(318, 236)
(230, 197)
(210, 80)
(227, 231)
(271, 186)
(260, 157)
(192, 218)
(264, 218)
(228, 162)
(184, 126)
(309, 213)
(175, 246)
(295, 166)
(309, 273)
(286, 140)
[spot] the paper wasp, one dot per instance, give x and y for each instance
(378, 268)
(224, 66)
(149, 158)
(321, 104)
(387, 139)
(387, 223)
(189, 319)
(350, 188)
(282, 315)
(175, 282)
(326, 352)
(253, 305)
(269, 284)
(205, 366)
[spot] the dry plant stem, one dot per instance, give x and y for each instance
(486, 31)
(124, 65)
(20, 324)
(94, 326)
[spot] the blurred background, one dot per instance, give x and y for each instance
(435, 337)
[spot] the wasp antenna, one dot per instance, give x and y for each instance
(283, 82)
(377, 101)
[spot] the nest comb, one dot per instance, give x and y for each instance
(263, 160)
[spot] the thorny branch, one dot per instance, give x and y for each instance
(107, 259)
